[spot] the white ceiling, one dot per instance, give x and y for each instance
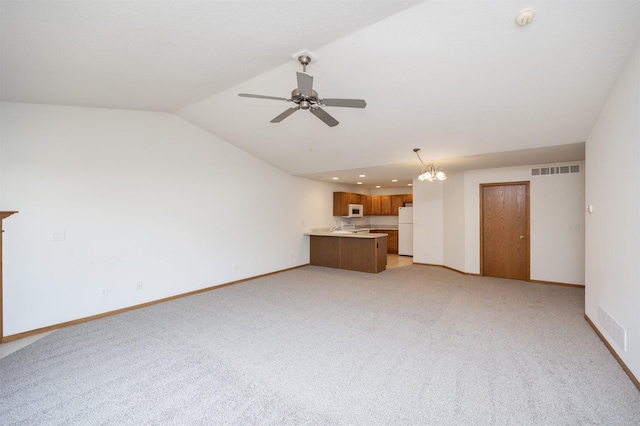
(458, 79)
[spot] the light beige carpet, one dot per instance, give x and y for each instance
(416, 345)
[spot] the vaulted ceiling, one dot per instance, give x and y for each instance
(458, 79)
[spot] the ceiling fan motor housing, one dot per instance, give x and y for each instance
(304, 101)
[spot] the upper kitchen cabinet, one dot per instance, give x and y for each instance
(373, 205)
(341, 201)
(366, 203)
(385, 202)
(397, 201)
(376, 206)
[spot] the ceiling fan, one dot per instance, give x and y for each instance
(306, 98)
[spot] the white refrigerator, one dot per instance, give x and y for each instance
(405, 231)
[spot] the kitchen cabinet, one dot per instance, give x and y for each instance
(341, 201)
(366, 204)
(385, 203)
(325, 251)
(392, 239)
(373, 205)
(397, 201)
(364, 254)
(376, 206)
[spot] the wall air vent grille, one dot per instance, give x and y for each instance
(556, 170)
(614, 329)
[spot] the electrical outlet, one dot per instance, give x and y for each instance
(104, 292)
(139, 285)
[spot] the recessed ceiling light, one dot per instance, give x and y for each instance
(334, 178)
(394, 180)
(363, 175)
(377, 186)
(359, 183)
(409, 184)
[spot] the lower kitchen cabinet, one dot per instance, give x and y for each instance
(325, 251)
(392, 239)
(352, 253)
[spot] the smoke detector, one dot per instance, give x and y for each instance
(524, 17)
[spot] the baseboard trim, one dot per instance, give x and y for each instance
(626, 369)
(17, 336)
(460, 272)
(557, 283)
(478, 275)
(447, 267)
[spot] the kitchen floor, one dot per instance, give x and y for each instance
(396, 261)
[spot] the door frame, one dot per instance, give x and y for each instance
(526, 183)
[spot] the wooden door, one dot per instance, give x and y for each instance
(504, 230)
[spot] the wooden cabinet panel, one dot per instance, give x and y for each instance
(392, 241)
(341, 201)
(355, 254)
(385, 202)
(376, 206)
(382, 254)
(325, 251)
(366, 203)
(358, 254)
(397, 201)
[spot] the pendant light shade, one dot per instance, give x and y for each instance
(430, 172)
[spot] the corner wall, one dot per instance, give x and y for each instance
(112, 198)
(428, 233)
(556, 221)
(613, 230)
(451, 212)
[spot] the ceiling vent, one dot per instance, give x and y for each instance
(556, 170)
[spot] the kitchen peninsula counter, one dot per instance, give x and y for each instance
(355, 251)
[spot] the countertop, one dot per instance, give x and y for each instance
(347, 235)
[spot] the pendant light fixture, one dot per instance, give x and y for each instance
(429, 172)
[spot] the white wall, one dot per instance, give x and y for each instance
(556, 221)
(141, 197)
(454, 222)
(428, 211)
(613, 230)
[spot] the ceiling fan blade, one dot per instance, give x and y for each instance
(305, 83)
(348, 103)
(248, 95)
(324, 116)
(284, 115)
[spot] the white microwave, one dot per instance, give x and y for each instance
(355, 210)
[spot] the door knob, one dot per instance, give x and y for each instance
(522, 237)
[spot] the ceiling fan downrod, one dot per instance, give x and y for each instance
(304, 60)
